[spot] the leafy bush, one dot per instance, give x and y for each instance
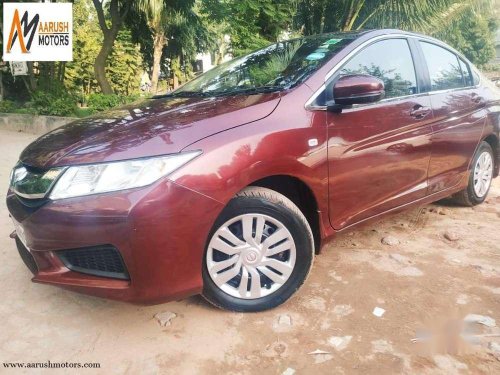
(54, 103)
(60, 102)
(26, 111)
(7, 106)
(102, 102)
(84, 112)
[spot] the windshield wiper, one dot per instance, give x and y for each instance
(249, 90)
(232, 91)
(182, 94)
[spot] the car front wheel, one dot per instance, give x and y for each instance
(259, 253)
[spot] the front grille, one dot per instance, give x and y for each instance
(104, 260)
(33, 183)
(26, 256)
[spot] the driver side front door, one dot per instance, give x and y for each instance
(378, 154)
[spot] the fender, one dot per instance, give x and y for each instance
(258, 150)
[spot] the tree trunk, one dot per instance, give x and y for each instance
(118, 11)
(159, 41)
(52, 74)
(100, 63)
(31, 76)
(61, 71)
(1, 85)
(27, 85)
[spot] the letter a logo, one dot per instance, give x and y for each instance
(16, 31)
(16, 27)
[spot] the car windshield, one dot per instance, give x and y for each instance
(280, 66)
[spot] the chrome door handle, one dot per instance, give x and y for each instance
(477, 99)
(420, 112)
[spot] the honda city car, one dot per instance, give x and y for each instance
(229, 186)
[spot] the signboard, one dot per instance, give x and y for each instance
(37, 32)
(19, 68)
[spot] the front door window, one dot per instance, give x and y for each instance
(391, 61)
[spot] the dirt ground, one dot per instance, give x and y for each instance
(425, 282)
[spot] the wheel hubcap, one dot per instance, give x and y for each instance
(483, 172)
(251, 256)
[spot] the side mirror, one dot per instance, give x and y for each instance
(356, 89)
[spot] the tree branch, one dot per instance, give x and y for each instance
(126, 9)
(118, 15)
(100, 15)
(354, 16)
(115, 13)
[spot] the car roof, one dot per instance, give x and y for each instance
(372, 33)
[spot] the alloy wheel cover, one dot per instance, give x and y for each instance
(251, 256)
(483, 173)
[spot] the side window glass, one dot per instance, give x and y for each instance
(475, 76)
(444, 68)
(466, 73)
(391, 61)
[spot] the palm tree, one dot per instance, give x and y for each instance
(315, 16)
(163, 15)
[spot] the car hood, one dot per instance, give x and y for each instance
(151, 127)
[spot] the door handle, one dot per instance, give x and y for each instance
(419, 112)
(476, 99)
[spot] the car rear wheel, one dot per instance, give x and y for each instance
(259, 253)
(480, 177)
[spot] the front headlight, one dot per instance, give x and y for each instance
(101, 178)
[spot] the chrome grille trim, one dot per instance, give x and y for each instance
(34, 176)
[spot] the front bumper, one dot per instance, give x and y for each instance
(160, 232)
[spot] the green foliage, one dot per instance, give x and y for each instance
(468, 25)
(193, 26)
(473, 35)
(62, 103)
(26, 110)
(252, 24)
(84, 112)
(262, 75)
(187, 36)
(124, 62)
(125, 65)
(56, 103)
(15, 88)
(87, 40)
(101, 102)
(416, 15)
(50, 102)
(7, 106)
(317, 16)
(185, 30)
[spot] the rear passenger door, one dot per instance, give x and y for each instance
(458, 121)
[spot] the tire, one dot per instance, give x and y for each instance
(252, 211)
(469, 196)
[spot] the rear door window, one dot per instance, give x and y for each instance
(444, 67)
(466, 73)
(391, 61)
(475, 76)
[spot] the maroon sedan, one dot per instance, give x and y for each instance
(229, 185)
